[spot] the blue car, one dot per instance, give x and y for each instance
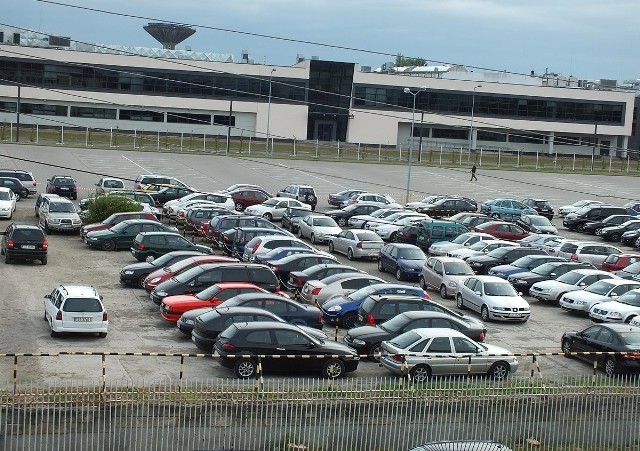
(343, 310)
(403, 260)
(279, 253)
(506, 209)
(523, 264)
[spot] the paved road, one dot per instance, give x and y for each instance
(135, 323)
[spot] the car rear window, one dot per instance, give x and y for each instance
(22, 176)
(28, 234)
(405, 340)
(64, 182)
(306, 191)
(569, 248)
(82, 305)
(368, 304)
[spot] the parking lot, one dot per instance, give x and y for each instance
(135, 324)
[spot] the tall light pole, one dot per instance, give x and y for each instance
(413, 121)
(473, 104)
(269, 111)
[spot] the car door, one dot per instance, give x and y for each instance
(292, 342)
(125, 239)
(436, 274)
(516, 232)
(473, 293)
(392, 259)
(439, 358)
(469, 358)
(585, 341)
(502, 231)
(339, 241)
(176, 242)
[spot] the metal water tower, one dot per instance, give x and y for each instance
(169, 35)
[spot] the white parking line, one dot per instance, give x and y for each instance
(133, 162)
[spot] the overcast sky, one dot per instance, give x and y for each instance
(589, 39)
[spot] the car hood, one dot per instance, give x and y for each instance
(336, 213)
(446, 245)
(315, 333)
(327, 230)
(368, 332)
(493, 349)
(59, 215)
(481, 259)
(103, 233)
(337, 300)
(337, 348)
(508, 301)
(192, 314)
(544, 229)
(506, 268)
(582, 295)
(180, 298)
(555, 285)
(615, 306)
(528, 275)
(139, 267)
(412, 264)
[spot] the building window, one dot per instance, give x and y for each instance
(566, 140)
(219, 119)
(141, 115)
(95, 113)
(188, 118)
(8, 107)
(486, 135)
(521, 137)
(449, 133)
(42, 109)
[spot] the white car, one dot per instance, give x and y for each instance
(7, 203)
(374, 224)
(565, 210)
(383, 200)
(388, 231)
(220, 200)
(356, 244)
(75, 308)
(494, 298)
(181, 214)
(624, 309)
(459, 242)
(479, 248)
(596, 293)
(273, 209)
(318, 228)
(538, 240)
(108, 184)
(359, 221)
(578, 279)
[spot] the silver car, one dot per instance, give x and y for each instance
(444, 274)
(319, 291)
(586, 251)
(356, 244)
(479, 248)
(459, 242)
(578, 279)
(318, 228)
(494, 298)
(444, 352)
(273, 209)
(59, 214)
(359, 221)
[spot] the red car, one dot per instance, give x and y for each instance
(616, 262)
(245, 197)
(115, 219)
(160, 275)
(502, 230)
(173, 307)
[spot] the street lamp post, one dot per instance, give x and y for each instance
(473, 104)
(269, 111)
(413, 120)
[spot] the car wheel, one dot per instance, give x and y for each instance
(350, 254)
(495, 216)
(17, 197)
(375, 349)
(313, 238)
(244, 368)
(268, 216)
(443, 291)
(149, 258)
(109, 245)
(47, 231)
(239, 206)
(460, 302)
(393, 237)
(580, 228)
(299, 232)
(342, 222)
(141, 280)
(45, 316)
(43, 260)
(614, 236)
(331, 249)
(566, 348)
(484, 313)
(380, 266)
(559, 297)
(422, 282)
(333, 368)
(598, 230)
(420, 374)
(499, 371)
(102, 334)
(363, 225)
(610, 367)
(398, 274)
(54, 334)
(349, 320)
(74, 197)
(1, 251)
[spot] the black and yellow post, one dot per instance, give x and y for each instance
(595, 369)
(104, 373)
(336, 337)
(469, 370)
(181, 373)
(15, 374)
(259, 379)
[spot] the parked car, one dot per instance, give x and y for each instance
(274, 338)
(629, 272)
(150, 245)
(180, 212)
(622, 310)
(245, 197)
(444, 274)
(541, 206)
(297, 279)
(175, 269)
(319, 291)
(136, 273)
(509, 209)
(121, 235)
(221, 223)
(337, 198)
(577, 221)
(343, 310)
(536, 224)
(241, 236)
(585, 251)
(170, 193)
(318, 228)
(376, 309)
(480, 248)
(471, 222)
(360, 221)
(523, 264)
(24, 242)
(343, 215)
(262, 244)
(502, 230)
(501, 256)
(59, 214)
(383, 200)
(629, 238)
(114, 219)
(523, 281)
(614, 233)
(75, 308)
(25, 177)
(566, 209)
(423, 202)
(16, 186)
(356, 244)
(7, 203)
(604, 290)
(423, 353)
(237, 186)
(537, 240)
(596, 226)
(388, 232)
(462, 445)
(207, 326)
(40, 199)
(292, 217)
(282, 252)
(106, 184)
(577, 279)
(196, 218)
(403, 260)
(494, 298)
(63, 185)
(291, 311)
(273, 209)
(432, 231)
(461, 241)
(601, 341)
(447, 207)
(298, 262)
(146, 179)
(617, 262)
(303, 193)
(171, 207)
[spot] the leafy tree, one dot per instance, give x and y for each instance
(101, 207)
(402, 61)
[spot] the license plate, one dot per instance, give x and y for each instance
(28, 246)
(64, 189)
(82, 319)
(515, 315)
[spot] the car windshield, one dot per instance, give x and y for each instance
(545, 269)
(188, 275)
(539, 220)
(581, 203)
(583, 210)
(324, 222)
(120, 226)
(499, 289)
(542, 204)
(633, 268)
(523, 262)
(630, 298)
(180, 265)
(457, 269)
(395, 323)
(4, 195)
(461, 238)
(298, 213)
(405, 340)
(500, 252)
(479, 245)
(405, 221)
(208, 293)
(62, 208)
(571, 278)
(601, 287)
(271, 202)
(411, 254)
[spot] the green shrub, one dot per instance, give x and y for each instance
(101, 207)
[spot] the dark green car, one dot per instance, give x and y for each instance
(121, 235)
(149, 245)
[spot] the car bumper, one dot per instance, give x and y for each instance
(598, 317)
(129, 279)
(184, 327)
(21, 254)
(64, 227)
(509, 316)
(394, 366)
(156, 299)
(572, 307)
(521, 287)
(204, 344)
(140, 256)
(170, 317)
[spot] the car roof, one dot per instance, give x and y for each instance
(26, 226)
(3, 188)
(620, 281)
(227, 285)
(269, 325)
(254, 296)
(619, 327)
(233, 309)
(444, 259)
(437, 332)
(403, 245)
(490, 278)
(589, 271)
(159, 233)
(62, 200)
(80, 290)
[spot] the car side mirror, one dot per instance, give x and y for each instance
(580, 334)
(477, 293)
(519, 293)
(613, 294)
(311, 345)
(97, 184)
(553, 274)
(581, 284)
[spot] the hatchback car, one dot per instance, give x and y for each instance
(245, 197)
(263, 244)
(509, 209)
(403, 260)
(383, 200)
(536, 224)
(502, 230)
(135, 274)
(7, 203)
(444, 274)
(318, 228)
(74, 308)
(356, 244)
(146, 179)
(121, 235)
(617, 262)
(24, 242)
(342, 216)
(447, 207)
(542, 206)
(523, 281)
(107, 184)
(273, 209)
(303, 193)
(319, 291)
(150, 245)
(15, 185)
(581, 301)
(492, 297)
(25, 177)
(422, 353)
(238, 345)
(576, 279)
(585, 251)
(63, 185)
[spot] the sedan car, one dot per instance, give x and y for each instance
(136, 273)
(629, 272)
(359, 221)
(542, 206)
(122, 235)
(319, 291)
(383, 200)
(577, 279)
(368, 339)
(461, 241)
(506, 209)
(170, 193)
(297, 279)
(523, 281)
(536, 224)
(444, 274)
(298, 262)
(594, 227)
(245, 197)
(523, 264)
(494, 298)
(403, 260)
(502, 230)
(604, 290)
(480, 248)
(614, 233)
(343, 215)
(599, 340)
(625, 308)
(239, 340)
(7, 203)
(318, 228)
(537, 240)
(447, 207)
(422, 353)
(292, 216)
(566, 209)
(337, 198)
(356, 244)
(273, 209)
(167, 272)
(481, 264)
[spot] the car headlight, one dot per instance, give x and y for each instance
(501, 308)
(452, 284)
(162, 294)
(335, 308)
(4, 209)
(188, 321)
(128, 272)
(76, 221)
(154, 280)
(518, 281)
(54, 221)
(92, 238)
(475, 264)
(615, 314)
(357, 341)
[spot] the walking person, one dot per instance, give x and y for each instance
(473, 174)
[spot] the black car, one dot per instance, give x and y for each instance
(25, 177)
(292, 217)
(63, 185)
(203, 276)
(135, 273)
(501, 256)
(614, 233)
(171, 193)
(629, 238)
(196, 216)
(367, 339)
(336, 199)
(613, 220)
(542, 206)
(221, 223)
(447, 207)
(536, 224)
(547, 271)
(298, 262)
(121, 235)
(408, 233)
(591, 213)
(342, 216)
(24, 242)
(240, 343)
(15, 185)
(601, 339)
(630, 272)
(207, 326)
(297, 279)
(150, 245)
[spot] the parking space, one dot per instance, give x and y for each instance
(135, 324)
